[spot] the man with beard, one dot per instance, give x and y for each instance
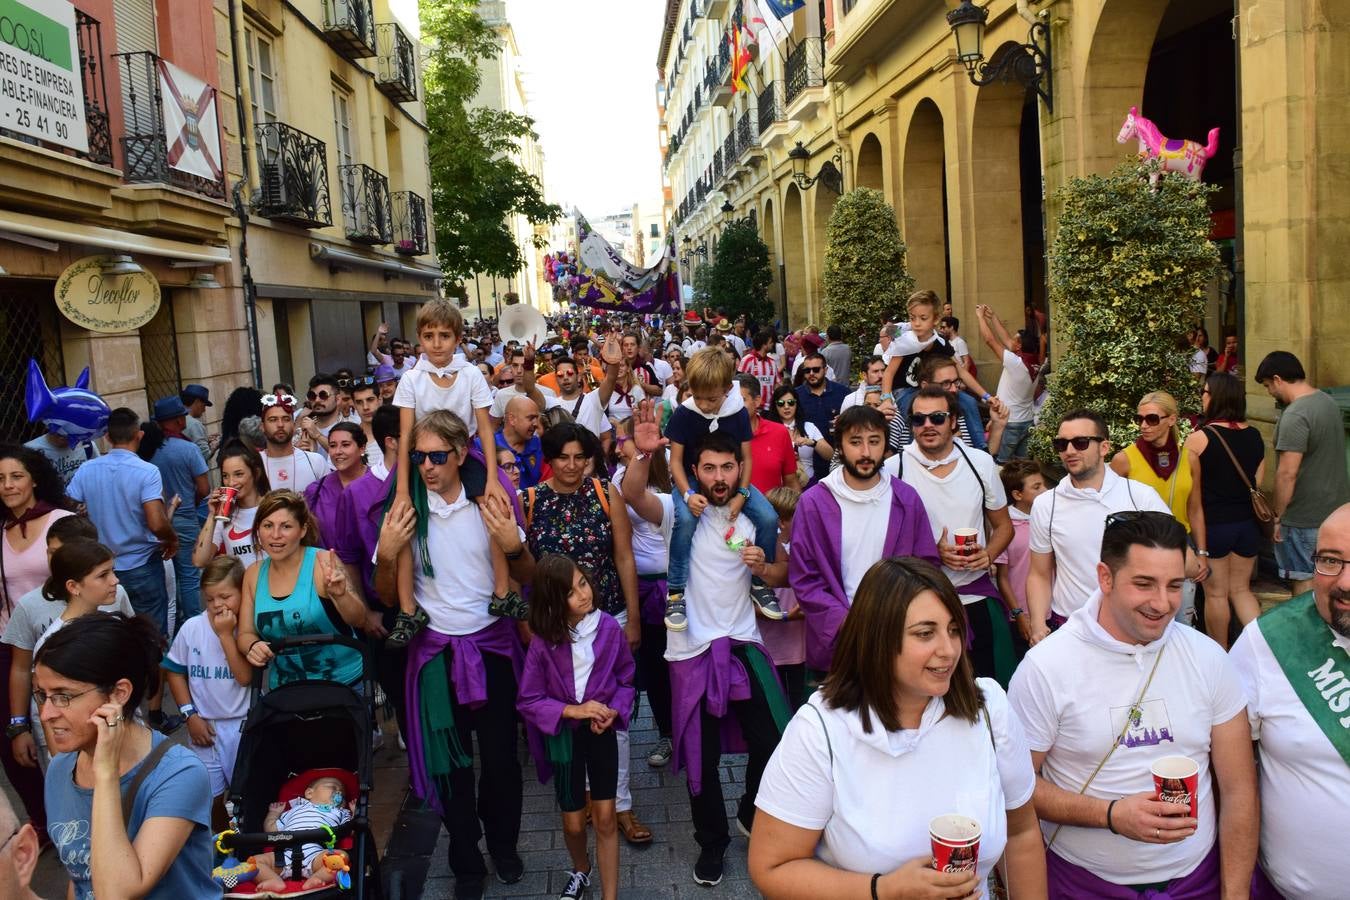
(312, 425)
(960, 489)
(873, 369)
(1122, 675)
(1295, 672)
(288, 467)
(719, 668)
(853, 517)
(818, 401)
(586, 409)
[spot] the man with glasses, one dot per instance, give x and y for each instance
(519, 434)
(818, 402)
(19, 851)
(941, 371)
(1295, 672)
(1119, 691)
(320, 414)
(386, 383)
(1067, 523)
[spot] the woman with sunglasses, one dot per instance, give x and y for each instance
(806, 437)
(241, 470)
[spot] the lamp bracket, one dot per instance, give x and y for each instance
(1027, 64)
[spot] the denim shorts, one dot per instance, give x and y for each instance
(1294, 554)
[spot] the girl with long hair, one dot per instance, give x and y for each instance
(241, 470)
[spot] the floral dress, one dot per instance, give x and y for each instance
(577, 526)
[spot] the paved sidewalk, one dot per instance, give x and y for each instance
(663, 868)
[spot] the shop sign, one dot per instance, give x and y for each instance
(106, 303)
(41, 86)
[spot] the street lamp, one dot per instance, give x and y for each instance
(1026, 64)
(831, 173)
(727, 208)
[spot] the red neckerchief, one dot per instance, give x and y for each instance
(172, 431)
(39, 509)
(1162, 460)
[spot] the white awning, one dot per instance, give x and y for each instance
(109, 238)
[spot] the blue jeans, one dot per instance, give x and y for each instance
(757, 508)
(1294, 553)
(1014, 442)
(188, 576)
(147, 591)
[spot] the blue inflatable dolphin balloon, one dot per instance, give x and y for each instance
(76, 412)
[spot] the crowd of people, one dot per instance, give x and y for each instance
(863, 582)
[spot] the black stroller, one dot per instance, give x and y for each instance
(295, 728)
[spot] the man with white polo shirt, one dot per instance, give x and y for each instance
(1295, 671)
(960, 489)
(1016, 386)
(1066, 523)
(1119, 687)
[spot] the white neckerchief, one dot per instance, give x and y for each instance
(437, 505)
(877, 493)
(731, 404)
(1090, 630)
(1017, 515)
(917, 455)
(588, 625)
(1066, 487)
(456, 363)
(906, 344)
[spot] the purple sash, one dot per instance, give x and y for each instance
(652, 600)
(1070, 882)
(1262, 889)
(719, 677)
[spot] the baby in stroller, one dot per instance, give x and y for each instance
(320, 805)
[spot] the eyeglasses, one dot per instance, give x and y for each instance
(508, 466)
(1150, 420)
(284, 400)
(918, 420)
(1329, 566)
(947, 385)
(506, 382)
(786, 401)
(317, 395)
(812, 370)
(363, 381)
(1079, 443)
(60, 700)
(437, 457)
(11, 837)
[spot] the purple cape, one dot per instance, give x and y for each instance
(547, 684)
(718, 677)
(815, 570)
(1070, 882)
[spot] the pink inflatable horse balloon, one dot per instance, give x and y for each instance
(1186, 157)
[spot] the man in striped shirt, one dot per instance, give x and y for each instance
(759, 363)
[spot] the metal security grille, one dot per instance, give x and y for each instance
(159, 354)
(28, 322)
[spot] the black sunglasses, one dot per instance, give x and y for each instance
(437, 457)
(919, 419)
(812, 370)
(1150, 420)
(1125, 517)
(318, 395)
(785, 401)
(1079, 443)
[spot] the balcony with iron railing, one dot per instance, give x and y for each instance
(729, 148)
(722, 92)
(293, 176)
(717, 164)
(89, 36)
(145, 144)
(366, 214)
(396, 65)
(747, 132)
(349, 27)
(410, 223)
(804, 70)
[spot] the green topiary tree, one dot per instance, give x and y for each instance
(741, 275)
(1129, 269)
(865, 275)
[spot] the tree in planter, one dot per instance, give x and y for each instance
(740, 278)
(1129, 269)
(865, 277)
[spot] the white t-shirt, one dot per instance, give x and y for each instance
(505, 395)
(1303, 779)
(1016, 389)
(807, 453)
(468, 392)
(588, 413)
(621, 405)
(1075, 719)
(235, 537)
(651, 543)
(1199, 362)
(717, 596)
(121, 605)
(874, 800)
(961, 349)
(583, 651)
(662, 369)
(33, 614)
(196, 652)
(1069, 522)
(864, 518)
(955, 500)
(297, 471)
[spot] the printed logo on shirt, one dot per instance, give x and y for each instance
(233, 535)
(283, 475)
(72, 840)
(1149, 724)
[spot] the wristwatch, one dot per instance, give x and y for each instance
(188, 710)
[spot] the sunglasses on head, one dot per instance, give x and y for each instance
(1079, 443)
(317, 395)
(437, 457)
(918, 420)
(1150, 420)
(363, 381)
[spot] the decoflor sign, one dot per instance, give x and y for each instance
(106, 303)
(41, 92)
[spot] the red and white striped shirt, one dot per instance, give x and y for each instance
(765, 370)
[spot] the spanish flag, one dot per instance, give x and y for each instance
(740, 51)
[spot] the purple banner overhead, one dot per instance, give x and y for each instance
(605, 280)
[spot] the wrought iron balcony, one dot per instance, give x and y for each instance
(770, 105)
(410, 223)
(365, 205)
(293, 170)
(805, 68)
(747, 132)
(729, 148)
(349, 27)
(717, 163)
(90, 37)
(145, 144)
(396, 67)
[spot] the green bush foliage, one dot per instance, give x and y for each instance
(865, 277)
(740, 277)
(1129, 269)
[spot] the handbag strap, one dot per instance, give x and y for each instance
(147, 766)
(1224, 444)
(1138, 703)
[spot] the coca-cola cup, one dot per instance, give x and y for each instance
(956, 843)
(1176, 780)
(227, 495)
(967, 539)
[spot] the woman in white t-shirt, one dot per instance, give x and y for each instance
(806, 438)
(847, 798)
(241, 468)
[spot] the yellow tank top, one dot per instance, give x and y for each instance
(1175, 490)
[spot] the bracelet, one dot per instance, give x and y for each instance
(986, 396)
(1204, 553)
(18, 720)
(188, 710)
(252, 645)
(519, 552)
(876, 876)
(1110, 806)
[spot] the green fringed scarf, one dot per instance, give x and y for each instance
(417, 491)
(442, 752)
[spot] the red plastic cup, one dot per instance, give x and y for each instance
(967, 539)
(227, 495)
(1176, 780)
(956, 843)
